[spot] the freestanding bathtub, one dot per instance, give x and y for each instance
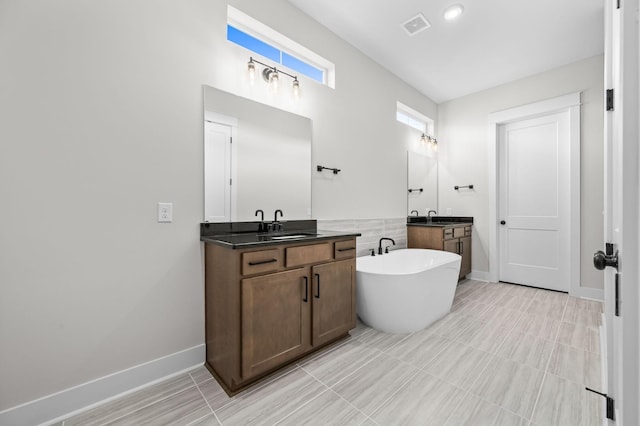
(405, 290)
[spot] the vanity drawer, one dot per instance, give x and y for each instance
(447, 233)
(304, 255)
(256, 262)
(458, 232)
(344, 249)
(467, 230)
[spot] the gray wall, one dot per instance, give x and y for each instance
(463, 153)
(101, 106)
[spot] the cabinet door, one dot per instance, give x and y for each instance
(275, 320)
(451, 245)
(465, 252)
(334, 300)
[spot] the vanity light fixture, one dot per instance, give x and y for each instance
(430, 141)
(453, 12)
(271, 75)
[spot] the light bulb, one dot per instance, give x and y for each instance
(251, 69)
(453, 12)
(274, 78)
(296, 88)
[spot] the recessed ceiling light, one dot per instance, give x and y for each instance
(452, 12)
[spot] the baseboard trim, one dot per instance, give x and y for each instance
(60, 405)
(591, 293)
(479, 276)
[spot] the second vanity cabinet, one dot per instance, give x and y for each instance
(268, 306)
(452, 238)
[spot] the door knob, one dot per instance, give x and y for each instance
(502, 222)
(601, 260)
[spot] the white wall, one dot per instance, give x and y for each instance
(101, 118)
(463, 155)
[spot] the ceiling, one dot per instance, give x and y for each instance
(491, 43)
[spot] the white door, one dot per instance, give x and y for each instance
(534, 198)
(621, 212)
(217, 172)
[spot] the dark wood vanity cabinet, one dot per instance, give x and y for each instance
(266, 307)
(455, 239)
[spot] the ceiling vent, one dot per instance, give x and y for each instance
(416, 24)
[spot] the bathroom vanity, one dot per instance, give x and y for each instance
(271, 298)
(448, 233)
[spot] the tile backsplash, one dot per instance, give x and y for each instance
(372, 230)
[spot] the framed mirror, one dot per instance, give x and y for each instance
(255, 157)
(422, 182)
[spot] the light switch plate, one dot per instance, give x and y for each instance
(165, 212)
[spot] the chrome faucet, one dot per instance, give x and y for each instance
(416, 212)
(380, 245)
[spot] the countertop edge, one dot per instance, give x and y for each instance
(321, 237)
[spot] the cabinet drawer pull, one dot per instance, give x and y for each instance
(346, 249)
(262, 262)
(318, 280)
(306, 289)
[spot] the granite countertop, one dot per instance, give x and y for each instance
(238, 235)
(440, 221)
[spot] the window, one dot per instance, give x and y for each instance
(413, 118)
(266, 42)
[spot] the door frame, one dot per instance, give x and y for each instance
(567, 103)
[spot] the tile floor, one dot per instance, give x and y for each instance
(505, 355)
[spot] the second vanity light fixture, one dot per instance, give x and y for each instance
(272, 76)
(431, 142)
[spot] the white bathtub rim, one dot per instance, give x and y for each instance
(445, 257)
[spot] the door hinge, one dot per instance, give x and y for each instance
(618, 4)
(610, 404)
(616, 306)
(230, 182)
(609, 99)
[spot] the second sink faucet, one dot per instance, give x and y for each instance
(380, 244)
(429, 214)
(277, 225)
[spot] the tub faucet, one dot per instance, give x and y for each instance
(380, 244)
(416, 212)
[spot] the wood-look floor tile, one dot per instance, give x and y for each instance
(470, 307)
(272, 402)
(209, 420)
(564, 403)
(575, 364)
(425, 400)
(458, 364)
(381, 341)
(483, 336)
(524, 291)
(451, 325)
(584, 317)
(546, 310)
(474, 411)
(368, 387)
(590, 305)
(361, 328)
(513, 301)
(538, 326)
(180, 409)
(419, 348)
(132, 402)
(200, 374)
(332, 366)
(213, 393)
(511, 385)
(499, 316)
(579, 336)
(326, 409)
(526, 349)
(552, 298)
